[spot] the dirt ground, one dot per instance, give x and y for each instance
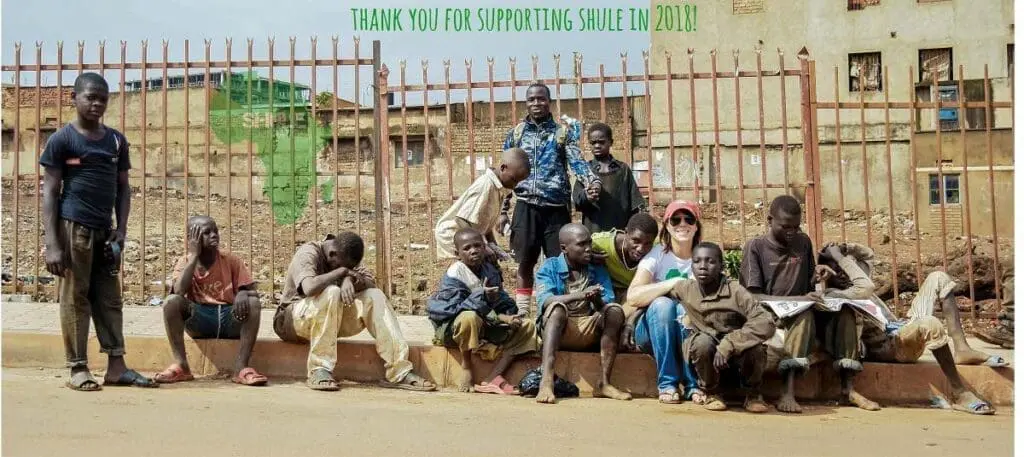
(414, 272)
(215, 417)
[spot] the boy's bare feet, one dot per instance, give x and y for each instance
(610, 391)
(546, 394)
(466, 384)
(755, 404)
(787, 404)
(862, 402)
(970, 357)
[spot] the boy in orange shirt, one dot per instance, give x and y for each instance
(212, 296)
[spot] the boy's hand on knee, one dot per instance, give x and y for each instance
(721, 361)
(348, 291)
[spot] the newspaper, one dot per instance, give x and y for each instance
(787, 308)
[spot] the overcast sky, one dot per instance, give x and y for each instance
(176, 20)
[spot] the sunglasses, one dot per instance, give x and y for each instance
(687, 217)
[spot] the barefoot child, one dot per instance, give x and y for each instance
(327, 296)
(779, 266)
(85, 184)
(577, 311)
(471, 311)
(904, 341)
(729, 329)
(610, 206)
(480, 205)
(212, 296)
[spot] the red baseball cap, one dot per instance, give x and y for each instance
(681, 205)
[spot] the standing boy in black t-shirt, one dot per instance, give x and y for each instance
(618, 198)
(86, 181)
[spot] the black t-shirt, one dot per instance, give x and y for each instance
(90, 169)
(620, 198)
(783, 271)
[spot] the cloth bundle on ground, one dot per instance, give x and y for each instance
(530, 385)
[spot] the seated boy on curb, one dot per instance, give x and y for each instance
(577, 311)
(610, 206)
(730, 328)
(212, 296)
(480, 205)
(779, 266)
(327, 296)
(902, 341)
(471, 311)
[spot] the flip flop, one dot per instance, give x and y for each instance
(249, 377)
(173, 374)
(670, 397)
(978, 407)
(996, 361)
(319, 376)
(715, 403)
(411, 381)
(132, 378)
(497, 386)
(81, 379)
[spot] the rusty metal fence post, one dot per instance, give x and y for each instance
(809, 129)
(381, 183)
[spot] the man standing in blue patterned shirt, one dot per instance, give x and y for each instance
(543, 199)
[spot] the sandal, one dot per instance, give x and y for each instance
(670, 397)
(715, 403)
(698, 397)
(755, 405)
(249, 377)
(498, 385)
(979, 407)
(322, 380)
(132, 378)
(411, 381)
(83, 381)
(173, 374)
(996, 361)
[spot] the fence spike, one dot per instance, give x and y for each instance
(423, 63)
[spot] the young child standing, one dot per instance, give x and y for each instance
(471, 311)
(85, 184)
(619, 198)
(730, 328)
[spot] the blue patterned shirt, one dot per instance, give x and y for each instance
(553, 275)
(548, 183)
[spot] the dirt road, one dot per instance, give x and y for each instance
(215, 417)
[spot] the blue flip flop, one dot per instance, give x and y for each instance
(996, 361)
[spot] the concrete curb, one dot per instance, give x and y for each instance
(636, 373)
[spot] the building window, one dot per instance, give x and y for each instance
(854, 5)
(866, 66)
(747, 6)
(949, 186)
(938, 60)
(413, 153)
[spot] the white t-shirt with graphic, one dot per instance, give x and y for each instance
(664, 265)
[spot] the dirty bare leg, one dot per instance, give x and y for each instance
(250, 330)
(500, 366)
(553, 328)
(964, 354)
(174, 325)
(613, 322)
(961, 395)
(853, 397)
(787, 402)
(466, 362)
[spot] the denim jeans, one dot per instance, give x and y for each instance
(660, 333)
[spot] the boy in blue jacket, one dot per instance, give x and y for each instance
(472, 312)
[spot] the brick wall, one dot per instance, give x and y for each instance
(747, 6)
(50, 96)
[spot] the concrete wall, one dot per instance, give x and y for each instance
(974, 187)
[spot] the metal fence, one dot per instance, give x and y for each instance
(250, 128)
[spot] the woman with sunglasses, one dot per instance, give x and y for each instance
(659, 330)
